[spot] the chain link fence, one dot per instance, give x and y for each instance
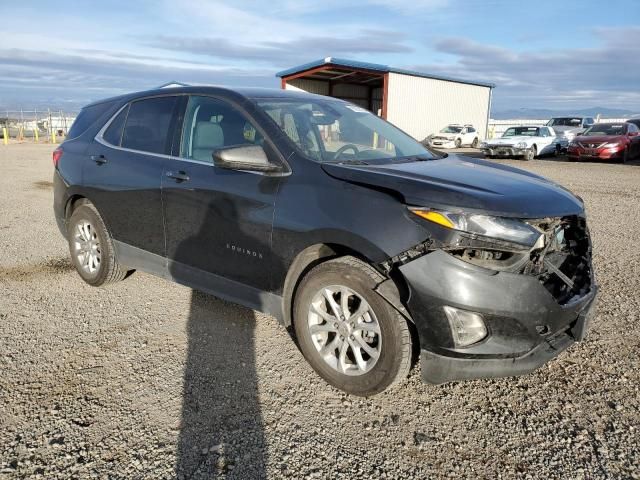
(35, 125)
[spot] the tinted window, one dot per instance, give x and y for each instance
(605, 129)
(86, 118)
(148, 125)
(471, 129)
(113, 134)
(210, 124)
(631, 128)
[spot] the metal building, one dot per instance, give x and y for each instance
(419, 103)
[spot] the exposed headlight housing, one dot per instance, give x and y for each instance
(506, 229)
(522, 145)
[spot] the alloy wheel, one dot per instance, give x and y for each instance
(344, 330)
(86, 247)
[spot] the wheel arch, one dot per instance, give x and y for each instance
(303, 262)
(73, 202)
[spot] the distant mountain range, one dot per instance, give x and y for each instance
(542, 113)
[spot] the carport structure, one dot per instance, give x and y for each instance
(357, 82)
(418, 102)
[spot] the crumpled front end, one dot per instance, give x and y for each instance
(486, 309)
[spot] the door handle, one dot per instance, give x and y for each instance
(180, 176)
(99, 159)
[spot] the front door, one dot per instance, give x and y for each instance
(218, 222)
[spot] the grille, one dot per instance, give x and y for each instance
(590, 145)
(563, 266)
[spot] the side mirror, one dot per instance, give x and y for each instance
(244, 157)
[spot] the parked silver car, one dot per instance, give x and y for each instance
(567, 128)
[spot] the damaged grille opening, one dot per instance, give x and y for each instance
(566, 270)
(561, 262)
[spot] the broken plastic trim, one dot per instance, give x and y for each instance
(561, 260)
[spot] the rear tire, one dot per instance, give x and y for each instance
(91, 248)
(458, 143)
(475, 142)
(348, 333)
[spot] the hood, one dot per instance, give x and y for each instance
(457, 183)
(599, 139)
(509, 140)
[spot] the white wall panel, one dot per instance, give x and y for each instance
(421, 106)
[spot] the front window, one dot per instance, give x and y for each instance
(522, 132)
(211, 124)
(451, 129)
(604, 129)
(565, 122)
(335, 131)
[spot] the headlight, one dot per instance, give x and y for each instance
(522, 145)
(573, 144)
(507, 229)
(612, 145)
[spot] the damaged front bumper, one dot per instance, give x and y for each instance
(526, 325)
(504, 151)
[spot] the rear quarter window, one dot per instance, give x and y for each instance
(87, 117)
(113, 134)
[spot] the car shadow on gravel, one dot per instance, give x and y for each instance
(221, 429)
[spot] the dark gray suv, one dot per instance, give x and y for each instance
(334, 221)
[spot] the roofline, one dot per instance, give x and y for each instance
(341, 62)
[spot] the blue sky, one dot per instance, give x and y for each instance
(561, 54)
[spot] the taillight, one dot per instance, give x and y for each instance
(57, 153)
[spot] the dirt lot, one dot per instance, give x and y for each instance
(148, 379)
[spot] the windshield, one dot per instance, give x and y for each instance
(605, 129)
(451, 129)
(522, 131)
(565, 122)
(336, 131)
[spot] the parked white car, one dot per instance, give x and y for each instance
(526, 141)
(454, 136)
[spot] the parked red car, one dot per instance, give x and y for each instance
(606, 141)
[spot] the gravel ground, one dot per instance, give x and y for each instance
(148, 379)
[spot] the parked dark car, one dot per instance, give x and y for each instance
(635, 121)
(607, 141)
(364, 242)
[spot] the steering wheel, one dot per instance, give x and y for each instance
(344, 148)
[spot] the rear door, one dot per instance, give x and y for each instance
(124, 171)
(218, 221)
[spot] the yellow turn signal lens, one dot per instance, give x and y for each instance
(434, 217)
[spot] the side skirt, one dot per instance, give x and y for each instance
(197, 279)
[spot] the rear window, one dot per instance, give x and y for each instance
(148, 125)
(86, 118)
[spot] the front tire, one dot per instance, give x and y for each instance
(531, 153)
(347, 332)
(91, 247)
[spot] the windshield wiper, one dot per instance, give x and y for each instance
(348, 162)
